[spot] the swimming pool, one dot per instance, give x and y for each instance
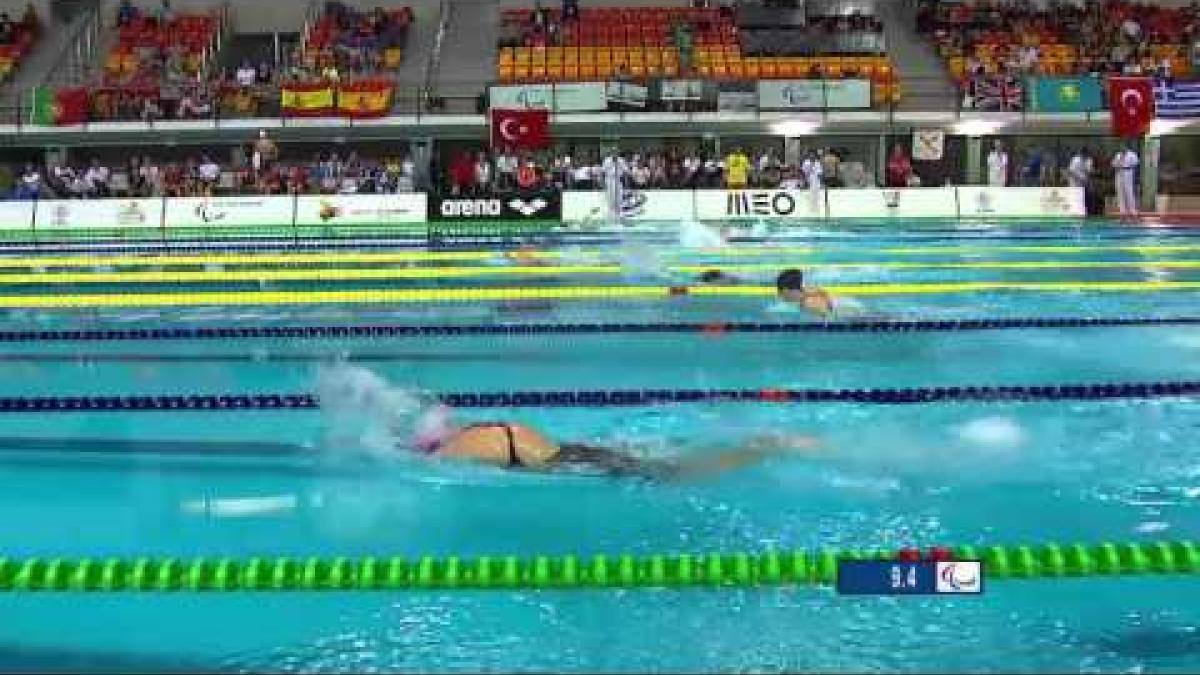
(892, 476)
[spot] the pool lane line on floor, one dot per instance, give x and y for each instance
(506, 572)
(1105, 391)
(324, 274)
(327, 258)
(436, 295)
(532, 330)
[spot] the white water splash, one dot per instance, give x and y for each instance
(364, 411)
(993, 433)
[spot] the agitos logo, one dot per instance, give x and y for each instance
(759, 204)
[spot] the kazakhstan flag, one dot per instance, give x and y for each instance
(1065, 94)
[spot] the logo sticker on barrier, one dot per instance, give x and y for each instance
(230, 211)
(360, 209)
(520, 206)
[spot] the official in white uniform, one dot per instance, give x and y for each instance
(1124, 165)
(614, 169)
(997, 166)
(813, 177)
(1079, 170)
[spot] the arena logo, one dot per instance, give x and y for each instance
(471, 208)
(777, 203)
(528, 208)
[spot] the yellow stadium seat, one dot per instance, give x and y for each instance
(670, 70)
(538, 72)
(521, 73)
(571, 73)
(506, 55)
(751, 71)
(587, 72)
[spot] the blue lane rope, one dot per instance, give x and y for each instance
(711, 327)
(627, 397)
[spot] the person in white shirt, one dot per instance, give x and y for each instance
(246, 74)
(614, 168)
(997, 166)
(97, 178)
(1079, 170)
(483, 173)
(1124, 165)
(210, 173)
(813, 173)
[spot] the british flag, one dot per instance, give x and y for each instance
(999, 94)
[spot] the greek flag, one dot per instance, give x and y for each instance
(1177, 99)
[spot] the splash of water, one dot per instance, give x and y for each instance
(364, 412)
(694, 234)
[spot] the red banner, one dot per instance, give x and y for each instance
(520, 129)
(1132, 102)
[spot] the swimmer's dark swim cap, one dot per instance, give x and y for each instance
(791, 279)
(711, 276)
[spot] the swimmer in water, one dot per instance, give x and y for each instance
(516, 446)
(791, 288)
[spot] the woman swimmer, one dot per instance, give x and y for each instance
(516, 446)
(789, 285)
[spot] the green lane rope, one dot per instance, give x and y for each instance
(1047, 561)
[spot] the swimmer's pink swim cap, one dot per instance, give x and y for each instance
(433, 428)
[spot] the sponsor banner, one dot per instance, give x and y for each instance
(591, 207)
(334, 210)
(514, 207)
(737, 204)
(681, 90)
(813, 94)
(562, 97)
(98, 214)
(627, 93)
(16, 215)
(736, 101)
(1027, 202)
(928, 144)
(893, 203)
(246, 210)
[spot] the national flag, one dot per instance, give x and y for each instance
(1173, 98)
(64, 106)
(520, 129)
(313, 99)
(1000, 95)
(367, 98)
(1132, 102)
(1065, 94)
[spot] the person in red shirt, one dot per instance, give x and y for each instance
(298, 179)
(462, 173)
(173, 180)
(899, 168)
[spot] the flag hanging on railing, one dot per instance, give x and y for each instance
(1132, 102)
(365, 98)
(1173, 98)
(1000, 94)
(311, 99)
(64, 106)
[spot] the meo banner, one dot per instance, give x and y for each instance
(336, 210)
(896, 203)
(229, 211)
(1029, 202)
(738, 204)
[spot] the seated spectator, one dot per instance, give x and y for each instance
(330, 73)
(97, 179)
(30, 184)
(126, 13)
(265, 72)
(246, 75)
(193, 103)
(8, 30)
(151, 110)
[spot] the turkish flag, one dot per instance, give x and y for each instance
(520, 129)
(1132, 102)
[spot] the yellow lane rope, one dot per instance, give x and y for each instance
(360, 274)
(367, 296)
(300, 258)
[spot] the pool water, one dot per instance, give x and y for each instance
(72, 484)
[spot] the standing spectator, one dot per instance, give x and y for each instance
(1125, 164)
(1031, 171)
(408, 175)
(997, 166)
(811, 168)
(151, 110)
(264, 73)
(246, 76)
(208, 173)
(831, 168)
(899, 168)
(265, 152)
(8, 30)
(483, 173)
(30, 185)
(1079, 170)
(506, 171)
(97, 178)
(126, 13)
(193, 103)
(152, 179)
(462, 173)
(737, 166)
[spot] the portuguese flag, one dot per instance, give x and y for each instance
(64, 106)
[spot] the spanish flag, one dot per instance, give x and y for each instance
(365, 98)
(313, 99)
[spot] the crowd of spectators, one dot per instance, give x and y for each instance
(993, 44)
(17, 38)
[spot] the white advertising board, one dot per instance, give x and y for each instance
(1023, 202)
(561, 97)
(16, 215)
(98, 214)
(934, 202)
(591, 207)
(754, 204)
(336, 210)
(248, 210)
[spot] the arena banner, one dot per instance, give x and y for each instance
(754, 204)
(590, 208)
(246, 210)
(932, 202)
(335, 210)
(16, 215)
(518, 206)
(98, 214)
(561, 97)
(814, 94)
(1023, 202)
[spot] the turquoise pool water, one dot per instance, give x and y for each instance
(978, 473)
